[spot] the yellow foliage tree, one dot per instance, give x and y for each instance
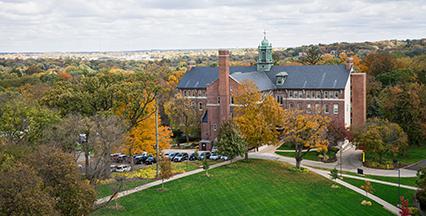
(306, 132)
(257, 116)
(142, 137)
(358, 64)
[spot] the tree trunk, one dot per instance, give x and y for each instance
(298, 162)
(86, 162)
(246, 155)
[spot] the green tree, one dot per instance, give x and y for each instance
(405, 105)
(229, 141)
(24, 123)
(313, 56)
(381, 139)
(421, 183)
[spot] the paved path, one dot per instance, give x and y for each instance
(158, 182)
(268, 156)
(350, 163)
(417, 166)
(380, 182)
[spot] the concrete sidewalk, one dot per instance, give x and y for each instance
(380, 182)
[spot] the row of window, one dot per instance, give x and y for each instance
(200, 105)
(194, 93)
(313, 94)
(315, 108)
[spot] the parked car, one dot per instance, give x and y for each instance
(204, 155)
(123, 168)
(181, 157)
(140, 159)
(192, 157)
(115, 157)
(224, 157)
(150, 160)
(214, 156)
(170, 155)
(113, 168)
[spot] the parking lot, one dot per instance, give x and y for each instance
(121, 162)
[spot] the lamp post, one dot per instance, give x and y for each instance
(341, 162)
(157, 150)
(396, 163)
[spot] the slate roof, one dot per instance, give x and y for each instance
(299, 77)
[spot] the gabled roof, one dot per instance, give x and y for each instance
(299, 77)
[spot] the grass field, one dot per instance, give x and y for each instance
(256, 187)
(413, 155)
(107, 189)
(386, 192)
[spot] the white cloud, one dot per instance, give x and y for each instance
(49, 25)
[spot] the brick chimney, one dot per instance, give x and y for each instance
(358, 100)
(349, 63)
(223, 90)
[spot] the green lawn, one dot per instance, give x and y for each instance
(256, 187)
(413, 155)
(386, 192)
(107, 189)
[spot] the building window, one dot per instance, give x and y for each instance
(309, 108)
(214, 127)
(318, 93)
(290, 94)
(335, 108)
(218, 100)
(290, 105)
(326, 111)
(318, 108)
(200, 106)
(308, 94)
(280, 80)
(300, 94)
(279, 99)
(326, 94)
(336, 94)
(298, 106)
(232, 100)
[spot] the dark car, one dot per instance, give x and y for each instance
(150, 160)
(205, 155)
(172, 155)
(193, 157)
(181, 157)
(140, 159)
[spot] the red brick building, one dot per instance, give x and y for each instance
(332, 90)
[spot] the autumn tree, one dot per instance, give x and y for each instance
(22, 192)
(142, 137)
(165, 170)
(62, 180)
(367, 187)
(257, 116)
(421, 183)
(306, 132)
(229, 141)
(184, 115)
(381, 139)
(104, 133)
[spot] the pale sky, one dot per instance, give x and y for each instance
(120, 25)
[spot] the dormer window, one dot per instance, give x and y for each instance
(281, 78)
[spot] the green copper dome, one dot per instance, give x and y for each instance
(264, 60)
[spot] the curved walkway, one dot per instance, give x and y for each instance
(350, 163)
